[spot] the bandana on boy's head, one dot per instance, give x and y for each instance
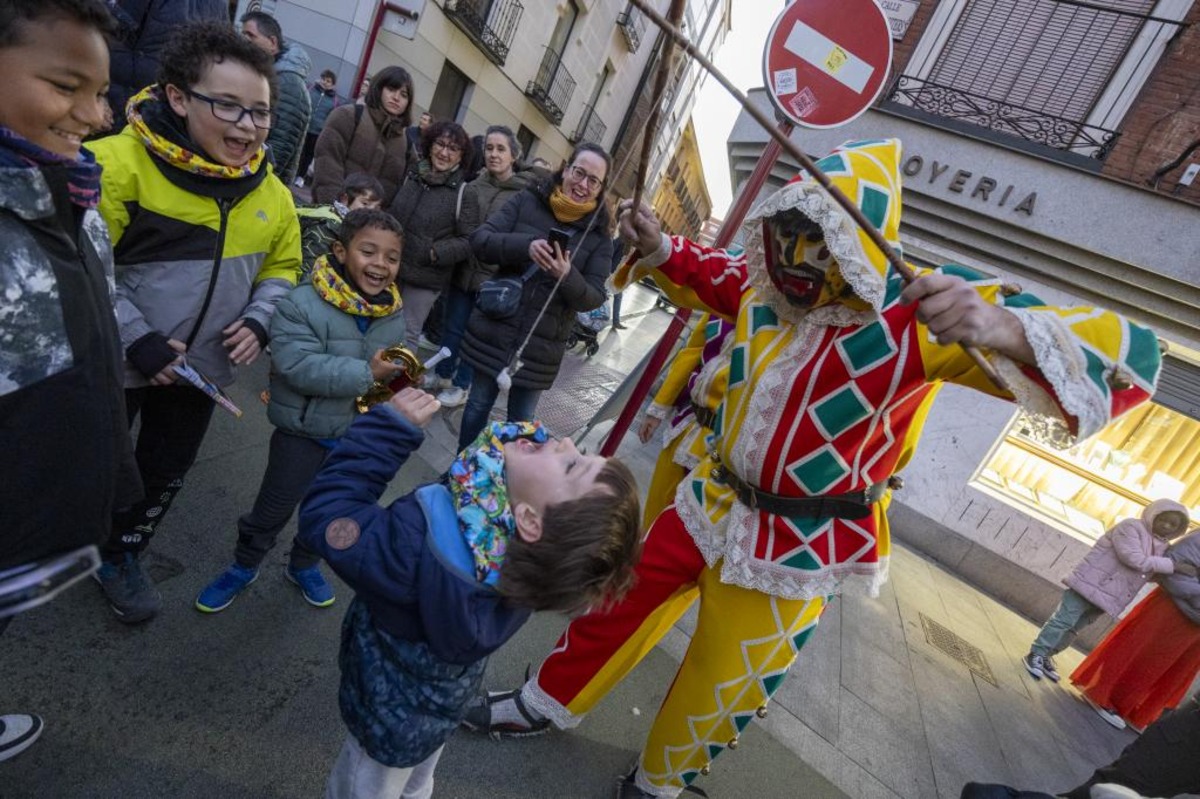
(341, 294)
(476, 480)
(83, 173)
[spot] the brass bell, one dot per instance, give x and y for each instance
(733, 743)
(410, 374)
(1119, 380)
(1164, 346)
(761, 712)
(895, 482)
(706, 769)
(1010, 289)
(718, 473)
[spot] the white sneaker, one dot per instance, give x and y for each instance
(431, 382)
(298, 182)
(17, 733)
(453, 397)
(1110, 716)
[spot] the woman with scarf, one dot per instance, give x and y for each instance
(438, 214)
(516, 238)
(206, 241)
(366, 138)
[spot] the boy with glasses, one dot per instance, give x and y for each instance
(206, 241)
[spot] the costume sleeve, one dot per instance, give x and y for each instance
(280, 268)
(302, 358)
(341, 519)
(686, 361)
(690, 274)
(1092, 365)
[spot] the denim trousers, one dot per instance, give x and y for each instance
(356, 775)
(522, 403)
(1072, 615)
(292, 463)
(459, 305)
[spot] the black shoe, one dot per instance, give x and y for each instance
(479, 717)
(627, 788)
(619, 326)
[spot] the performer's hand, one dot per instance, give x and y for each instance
(647, 428)
(167, 376)
(415, 405)
(242, 343)
(641, 230)
(957, 314)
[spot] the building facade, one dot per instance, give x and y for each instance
(681, 201)
(1053, 143)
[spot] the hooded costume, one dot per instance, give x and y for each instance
(821, 402)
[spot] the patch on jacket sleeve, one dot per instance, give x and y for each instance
(342, 533)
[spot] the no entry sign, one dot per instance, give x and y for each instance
(826, 60)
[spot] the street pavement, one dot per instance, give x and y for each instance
(243, 703)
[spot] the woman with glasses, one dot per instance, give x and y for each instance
(438, 214)
(366, 138)
(206, 241)
(517, 239)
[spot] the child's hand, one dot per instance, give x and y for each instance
(415, 405)
(167, 376)
(381, 369)
(242, 344)
(647, 428)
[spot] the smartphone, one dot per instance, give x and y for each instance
(32, 584)
(559, 237)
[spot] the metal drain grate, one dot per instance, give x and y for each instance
(951, 643)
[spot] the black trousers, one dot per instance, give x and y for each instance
(292, 464)
(174, 422)
(306, 154)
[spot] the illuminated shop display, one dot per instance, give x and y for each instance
(1150, 453)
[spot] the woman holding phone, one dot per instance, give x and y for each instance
(525, 239)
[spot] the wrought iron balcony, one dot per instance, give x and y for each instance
(489, 23)
(551, 89)
(591, 127)
(633, 27)
(998, 116)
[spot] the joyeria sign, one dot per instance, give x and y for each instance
(965, 182)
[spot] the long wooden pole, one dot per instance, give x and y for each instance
(674, 14)
(855, 213)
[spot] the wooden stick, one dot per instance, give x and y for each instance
(675, 13)
(906, 272)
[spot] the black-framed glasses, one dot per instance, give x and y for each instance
(448, 146)
(588, 179)
(229, 111)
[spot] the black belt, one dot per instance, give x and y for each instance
(854, 505)
(707, 418)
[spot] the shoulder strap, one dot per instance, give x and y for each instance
(458, 204)
(358, 112)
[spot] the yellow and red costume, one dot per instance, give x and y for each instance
(820, 401)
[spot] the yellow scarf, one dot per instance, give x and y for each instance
(338, 292)
(567, 210)
(173, 154)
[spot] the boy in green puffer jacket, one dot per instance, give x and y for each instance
(327, 342)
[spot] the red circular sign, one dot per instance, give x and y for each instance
(827, 60)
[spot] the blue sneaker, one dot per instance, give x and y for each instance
(316, 589)
(220, 593)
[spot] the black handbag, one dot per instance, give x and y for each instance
(500, 297)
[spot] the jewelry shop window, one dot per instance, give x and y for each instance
(1150, 453)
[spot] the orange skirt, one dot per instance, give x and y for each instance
(1146, 664)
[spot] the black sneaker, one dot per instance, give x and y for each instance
(128, 589)
(1035, 665)
(1049, 671)
(479, 717)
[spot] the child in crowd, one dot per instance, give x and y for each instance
(206, 242)
(327, 342)
(448, 573)
(1108, 579)
(319, 224)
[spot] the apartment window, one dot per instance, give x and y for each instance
(527, 140)
(451, 95)
(1053, 75)
(552, 86)
(591, 126)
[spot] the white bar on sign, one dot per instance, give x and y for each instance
(828, 56)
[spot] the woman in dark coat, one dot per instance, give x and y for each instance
(438, 215)
(515, 238)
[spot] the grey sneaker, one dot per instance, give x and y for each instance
(1049, 671)
(1035, 665)
(453, 397)
(17, 733)
(128, 590)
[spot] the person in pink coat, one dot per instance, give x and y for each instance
(1108, 579)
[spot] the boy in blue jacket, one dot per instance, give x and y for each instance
(448, 573)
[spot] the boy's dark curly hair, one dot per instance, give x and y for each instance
(16, 14)
(198, 45)
(362, 218)
(357, 184)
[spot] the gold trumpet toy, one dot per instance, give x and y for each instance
(411, 372)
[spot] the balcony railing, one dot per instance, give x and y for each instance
(491, 24)
(1058, 133)
(551, 89)
(633, 27)
(591, 127)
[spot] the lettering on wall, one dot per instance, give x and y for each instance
(980, 188)
(899, 15)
